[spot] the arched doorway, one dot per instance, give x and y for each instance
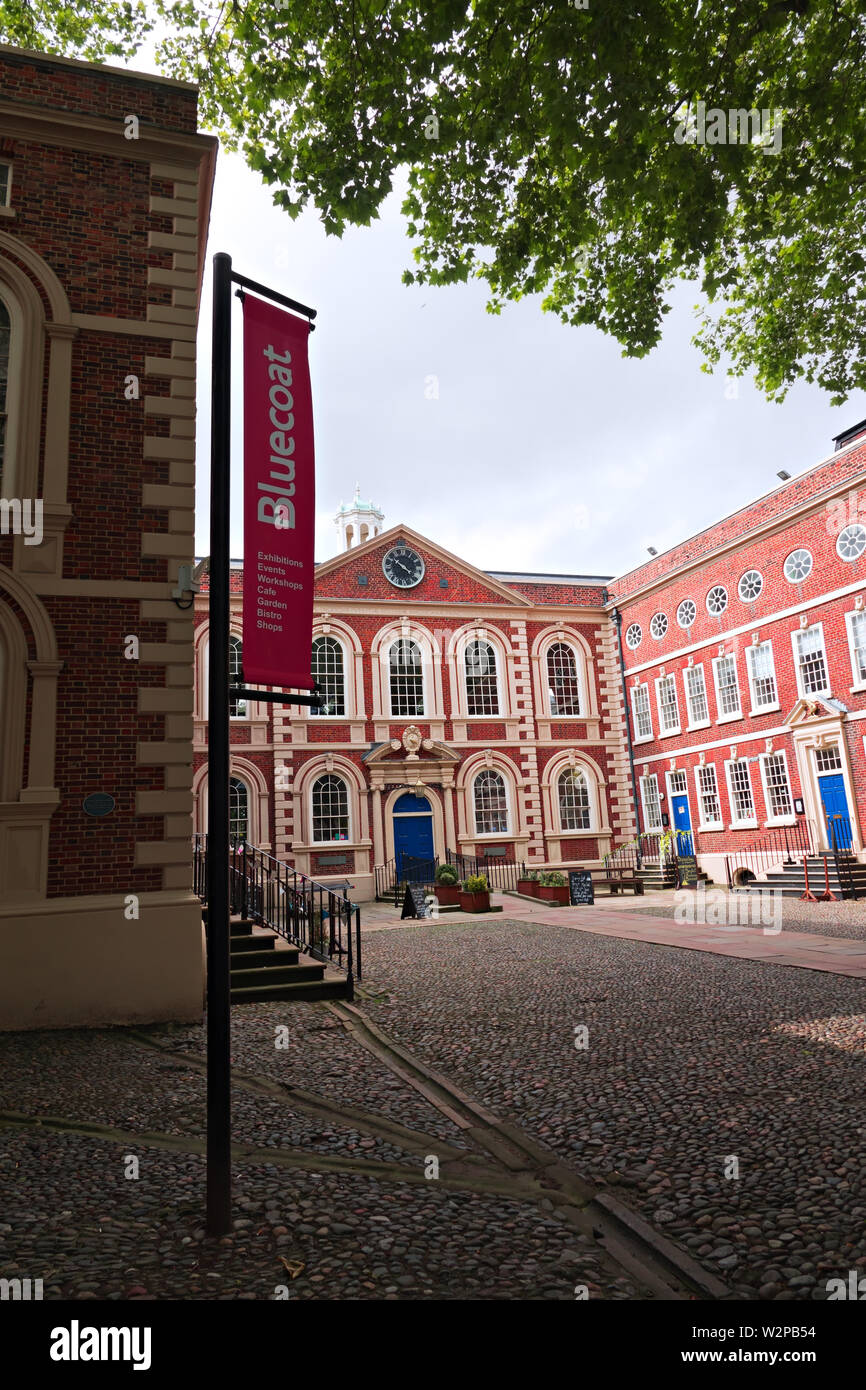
(413, 829)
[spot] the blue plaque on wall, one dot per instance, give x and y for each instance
(98, 804)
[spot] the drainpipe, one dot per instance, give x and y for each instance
(617, 617)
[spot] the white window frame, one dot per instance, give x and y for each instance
(755, 707)
(501, 668)
(708, 824)
(650, 777)
(859, 681)
(675, 729)
(509, 809)
(738, 712)
(7, 164)
(578, 830)
(638, 737)
(809, 694)
(790, 818)
(751, 822)
(425, 692)
(338, 718)
(700, 723)
(350, 832)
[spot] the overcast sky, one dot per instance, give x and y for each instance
(544, 450)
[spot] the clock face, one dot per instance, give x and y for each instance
(404, 567)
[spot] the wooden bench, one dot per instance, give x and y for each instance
(619, 880)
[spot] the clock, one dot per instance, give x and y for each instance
(403, 567)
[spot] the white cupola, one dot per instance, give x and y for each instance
(358, 521)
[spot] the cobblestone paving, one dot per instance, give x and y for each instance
(693, 1059)
(844, 918)
(71, 1218)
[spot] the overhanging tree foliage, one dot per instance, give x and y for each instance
(550, 150)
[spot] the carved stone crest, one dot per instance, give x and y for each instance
(412, 740)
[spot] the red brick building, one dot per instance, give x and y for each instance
(105, 190)
(468, 711)
(745, 658)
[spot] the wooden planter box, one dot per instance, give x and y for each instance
(528, 886)
(447, 894)
(552, 894)
(475, 902)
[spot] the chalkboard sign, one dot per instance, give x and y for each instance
(580, 889)
(415, 903)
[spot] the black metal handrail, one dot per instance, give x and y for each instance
(320, 921)
(839, 834)
(386, 879)
(501, 874)
(785, 844)
(650, 847)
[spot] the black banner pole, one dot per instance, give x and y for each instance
(218, 976)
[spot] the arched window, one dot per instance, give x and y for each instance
(482, 690)
(491, 804)
(237, 708)
(330, 809)
(406, 677)
(573, 800)
(562, 680)
(327, 669)
(5, 347)
(238, 810)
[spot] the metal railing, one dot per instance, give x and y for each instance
(385, 876)
(322, 922)
(839, 835)
(501, 874)
(787, 844)
(650, 849)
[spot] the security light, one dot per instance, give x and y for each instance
(652, 550)
(783, 475)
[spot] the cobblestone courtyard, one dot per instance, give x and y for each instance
(696, 1067)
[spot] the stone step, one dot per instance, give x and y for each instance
(263, 960)
(311, 989)
(251, 943)
(275, 975)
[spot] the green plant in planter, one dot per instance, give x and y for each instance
(554, 879)
(475, 883)
(446, 875)
(530, 876)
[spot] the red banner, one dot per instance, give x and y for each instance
(279, 498)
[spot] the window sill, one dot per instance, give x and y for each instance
(704, 724)
(743, 825)
(646, 738)
(729, 718)
(857, 689)
(7, 212)
(671, 733)
(780, 820)
(764, 709)
(713, 825)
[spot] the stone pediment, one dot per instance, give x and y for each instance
(816, 707)
(412, 748)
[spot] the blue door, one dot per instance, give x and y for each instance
(683, 823)
(835, 803)
(413, 831)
